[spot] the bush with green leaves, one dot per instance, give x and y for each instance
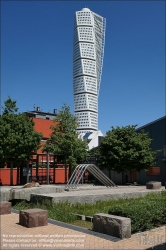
(145, 213)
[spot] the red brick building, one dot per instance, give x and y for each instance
(38, 166)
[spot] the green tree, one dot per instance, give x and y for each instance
(123, 149)
(64, 139)
(10, 106)
(94, 154)
(18, 139)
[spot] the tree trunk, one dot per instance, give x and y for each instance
(11, 173)
(65, 170)
(37, 167)
(48, 168)
(70, 167)
(54, 169)
(122, 178)
(27, 172)
(18, 173)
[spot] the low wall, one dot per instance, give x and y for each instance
(25, 193)
(89, 198)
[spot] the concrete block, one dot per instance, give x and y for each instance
(89, 218)
(33, 217)
(5, 195)
(80, 216)
(25, 193)
(5, 207)
(153, 185)
(112, 225)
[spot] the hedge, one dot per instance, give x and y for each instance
(145, 213)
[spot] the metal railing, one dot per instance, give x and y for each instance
(78, 174)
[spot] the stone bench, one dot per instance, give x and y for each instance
(112, 225)
(33, 217)
(5, 207)
(153, 185)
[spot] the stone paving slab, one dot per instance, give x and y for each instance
(57, 235)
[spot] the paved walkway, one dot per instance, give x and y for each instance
(58, 235)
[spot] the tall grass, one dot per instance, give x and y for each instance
(64, 211)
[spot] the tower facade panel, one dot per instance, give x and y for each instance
(89, 34)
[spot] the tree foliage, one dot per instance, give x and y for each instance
(18, 139)
(64, 138)
(10, 106)
(123, 149)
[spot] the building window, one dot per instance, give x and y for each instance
(153, 171)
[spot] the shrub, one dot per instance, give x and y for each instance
(145, 213)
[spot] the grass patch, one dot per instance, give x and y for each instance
(145, 212)
(83, 223)
(59, 211)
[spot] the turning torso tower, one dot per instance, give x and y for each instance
(89, 38)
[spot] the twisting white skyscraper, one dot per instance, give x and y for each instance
(89, 38)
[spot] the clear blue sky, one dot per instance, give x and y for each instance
(37, 56)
